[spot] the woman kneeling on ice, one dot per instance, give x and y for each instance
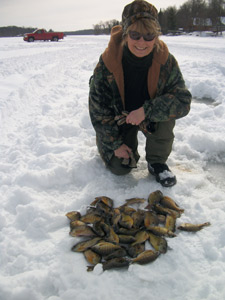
(137, 85)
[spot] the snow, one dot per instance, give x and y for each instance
(49, 165)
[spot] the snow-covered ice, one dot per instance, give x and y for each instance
(49, 165)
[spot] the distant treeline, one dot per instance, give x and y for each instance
(10, 31)
(193, 15)
(80, 32)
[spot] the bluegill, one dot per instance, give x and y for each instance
(126, 221)
(170, 203)
(97, 228)
(117, 253)
(115, 219)
(73, 215)
(102, 208)
(158, 243)
(167, 211)
(104, 248)
(135, 250)
(141, 237)
(193, 227)
(154, 198)
(131, 231)
(106, 200)
(90, 218)
(82, 231)
(138, 218)
(170, 223)
(150, 219)
(161, 231)
(112, 236)
(118, 262)
(146, 257)
(76, 223)
(84, 245)
(126, 209)
(134, 201)
(92, 257)
(126, 239)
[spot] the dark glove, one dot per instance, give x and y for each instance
(130, 162)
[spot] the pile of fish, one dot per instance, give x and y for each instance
(118, 237)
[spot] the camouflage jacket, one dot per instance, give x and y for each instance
(169, 98)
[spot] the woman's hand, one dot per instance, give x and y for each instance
(123, 151)
(135, 117)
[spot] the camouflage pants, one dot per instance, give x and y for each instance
(158, 146)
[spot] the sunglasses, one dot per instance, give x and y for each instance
(134, 35)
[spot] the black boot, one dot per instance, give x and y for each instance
(162, 174)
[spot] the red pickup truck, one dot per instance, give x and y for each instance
(43, 35)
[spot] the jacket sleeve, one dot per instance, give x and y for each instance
(173, 99)
(102, 110)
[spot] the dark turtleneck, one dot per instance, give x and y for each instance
(135, 79)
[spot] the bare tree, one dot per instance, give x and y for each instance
(215, 11)
(172, 18)
(105, 27)
(184, 17)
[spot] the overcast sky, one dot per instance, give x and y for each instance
(66, 15)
